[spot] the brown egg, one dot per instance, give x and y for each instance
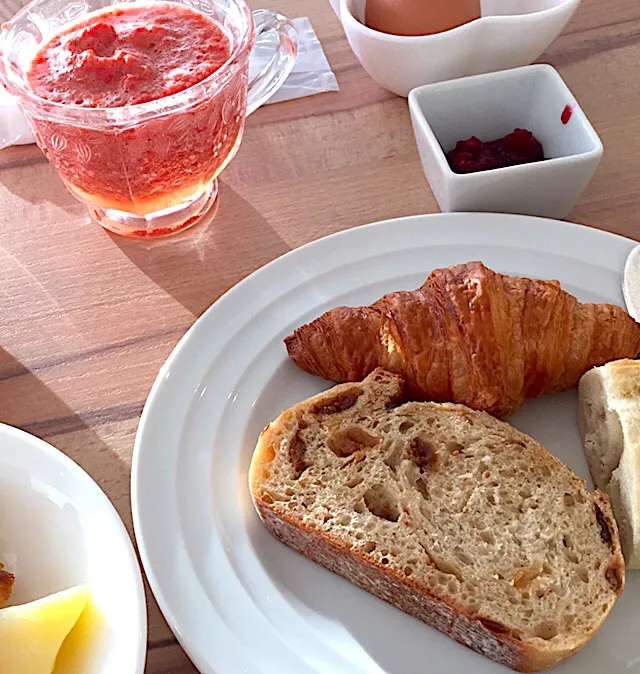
(419, 17)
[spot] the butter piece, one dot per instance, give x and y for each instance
(82, 648)
(31, 635)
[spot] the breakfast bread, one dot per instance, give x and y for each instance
(469, 335)
(609, 421)
(446, 513)
(6, 585)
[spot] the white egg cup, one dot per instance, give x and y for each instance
(491, 106)
(510, 33)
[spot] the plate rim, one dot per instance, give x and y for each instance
(192, 650)
(80, 474)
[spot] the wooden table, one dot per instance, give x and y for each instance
(87, 319)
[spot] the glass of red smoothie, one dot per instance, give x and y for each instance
(140, 105)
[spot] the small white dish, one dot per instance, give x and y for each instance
(58, 530)
(489, 107)
(510, 33)
(244, 602)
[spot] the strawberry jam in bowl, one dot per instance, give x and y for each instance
(140, 105)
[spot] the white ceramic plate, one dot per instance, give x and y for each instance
(57, 530)
(238, 600)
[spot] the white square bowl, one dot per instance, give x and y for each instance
(491, 106)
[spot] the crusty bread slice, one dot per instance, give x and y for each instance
(446, 513)
(609, 422)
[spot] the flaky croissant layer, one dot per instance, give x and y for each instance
(470, 335)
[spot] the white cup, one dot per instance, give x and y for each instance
(510, 33)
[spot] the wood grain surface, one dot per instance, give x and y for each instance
(87, 319)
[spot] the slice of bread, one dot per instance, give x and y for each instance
(609, 421)
(448, 514)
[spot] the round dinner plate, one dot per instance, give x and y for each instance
(238, 600)
(58, 530)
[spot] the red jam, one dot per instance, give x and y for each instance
(127, 55)
(566, 115)
(473, 155)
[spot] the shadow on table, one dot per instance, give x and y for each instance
(33, 179)
(27, 403)
(200, 265)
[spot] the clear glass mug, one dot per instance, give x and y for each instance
(148, 169)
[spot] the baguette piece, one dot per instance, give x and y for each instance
(609, 422)
(446, 513)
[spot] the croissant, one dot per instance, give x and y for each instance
(472, 336)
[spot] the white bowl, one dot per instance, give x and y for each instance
(58, 530)
(489, 107)
(510, 33)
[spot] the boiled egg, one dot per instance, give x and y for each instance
(419, 17)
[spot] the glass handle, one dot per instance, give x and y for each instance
(268, 80)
